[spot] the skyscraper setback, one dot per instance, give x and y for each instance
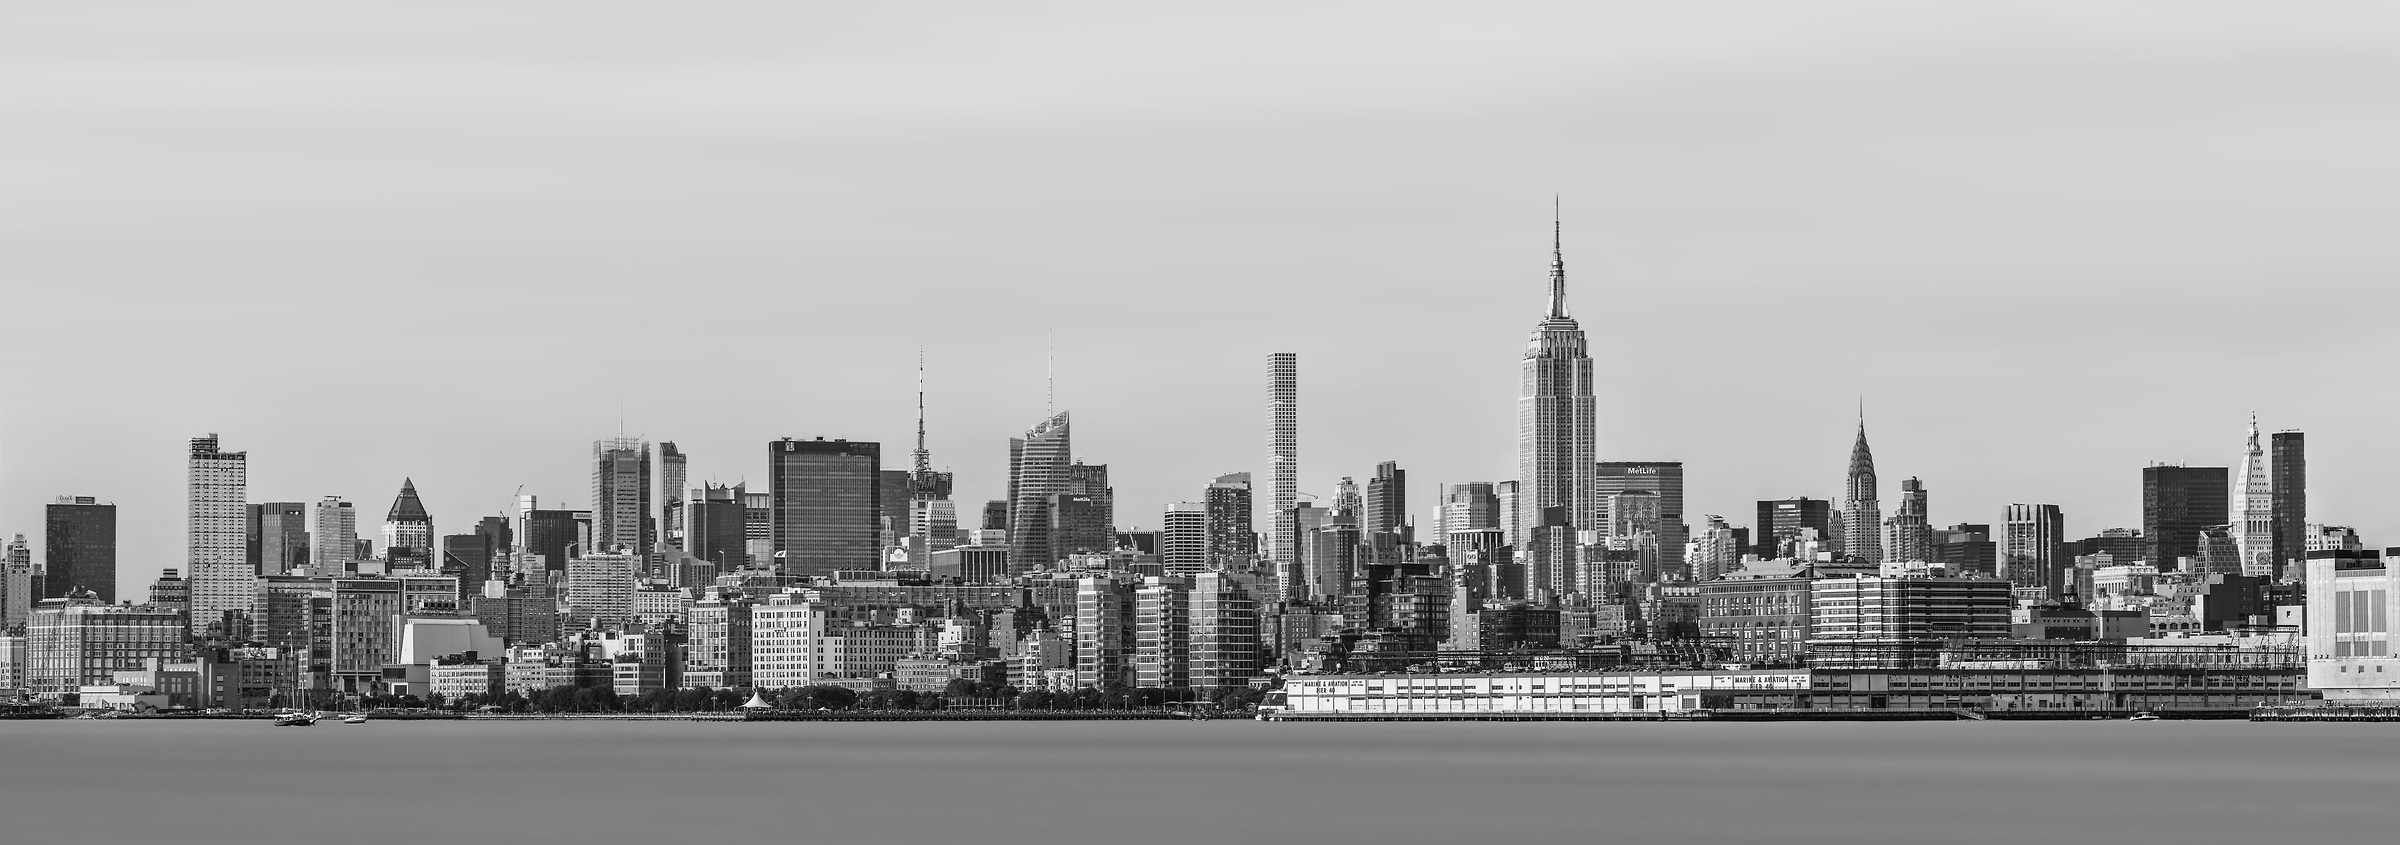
(216, 528)
(1862, 507)
(1283, 455)
(1557, 423)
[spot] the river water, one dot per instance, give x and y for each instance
(1221, 782)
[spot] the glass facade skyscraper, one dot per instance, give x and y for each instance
(828, 504)
(79, 549)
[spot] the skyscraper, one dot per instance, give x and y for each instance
(556, 535)
(1781, 521)
(672, 468)
(216, 528)
(932, 517)
(714, 526)
(1862, 507)
(1664, 478)
(2253, 504)
(621, 496)
(407, 528)
(1183, 539)
(1383, 515)
(332, 538)
(2034, 547)
(1718, 550)
(282, 537)
(2177, 502)
(1283, 455)
(79, 548)
(1039, 471)
(1908, 535)
(1469, 507)
(828, 500)
(1229, 508)
(1557, 426)
(2288, 453)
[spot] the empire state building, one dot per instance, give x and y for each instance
(1557, 430)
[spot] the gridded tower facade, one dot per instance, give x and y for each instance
(216, 532)
(2034, 548)
(2288, 462)
(1184, 539)
(621, 495)
(2177, 504)
(1664, 478)
(332, 537)
(80, 547)
(1229, 531)
(1557, 423)
(407, 528)
(671, 472)
(1283, 454)
(827, 505)
(1862, 507)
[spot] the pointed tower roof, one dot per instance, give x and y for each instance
(1558, 263)
(1862, 461)
(407, 508)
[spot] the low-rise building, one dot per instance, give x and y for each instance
(2353, 645)
(76, 642)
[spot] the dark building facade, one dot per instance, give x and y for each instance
(2287, 465)
(280, 536)
(1781, 520)
(79, 548)
(553, 534)
(828, 504)
(716, 527)
(2177, 504)
(1967, 549)
(1664, 478)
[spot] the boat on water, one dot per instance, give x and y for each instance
(355, 719)
(2144, 716)
(295, 719)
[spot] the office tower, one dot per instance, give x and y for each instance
(758, 528)
(1079, 525)
(282, 537)
(1469, 507)
(1038, 472)
(554, 534)
(1283, 455)
(672, 470)
(2220, 551)
(2287, 453)
(468, 557)
(1549, 556)
(1908, 535)
(20, 584)
(332, 537)
(1183, 539)
(1512, 522)
(1862, 507)
(2177, 502)
(1664, 478)
(715, 526)
(1780, 522)
(1224, 632)
(1329, 550)
(216, 485)
(1229, 508)
(995, 515)
(79, 547)
(891, 520)
(2253, 503)
(2121, 545)
(1966, 549)
(621, 495)
(1718, 550)
(1557, 427)
(828, 499)
(1162, 633)
(1385, 507)
(600, 590)
(2033, 552)
(407, 528)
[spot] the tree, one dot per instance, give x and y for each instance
(961, 688)
(931, 701)
(1039, 699)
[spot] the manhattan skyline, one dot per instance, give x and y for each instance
(2033, 295)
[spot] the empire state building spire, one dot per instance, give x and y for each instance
(1558, 264)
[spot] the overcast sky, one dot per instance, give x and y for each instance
(2049, 243)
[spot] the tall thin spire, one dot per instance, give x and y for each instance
(924, 459)
(1558, 262)
(1049, 373)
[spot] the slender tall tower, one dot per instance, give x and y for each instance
(2254, 510)
(671, 474)
(621, 496)
(216, 532)
(932, 517)
(1557, 424)
(1283, 454)
(1862, 511)
(1041, 471)
(2287, 452)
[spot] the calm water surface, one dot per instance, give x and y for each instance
(1198, 782)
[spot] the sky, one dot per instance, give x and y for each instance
(2046, 243)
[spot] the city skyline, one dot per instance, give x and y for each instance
(1812, 240)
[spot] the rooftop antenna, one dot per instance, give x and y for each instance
(1050, 373)
(924, 462)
